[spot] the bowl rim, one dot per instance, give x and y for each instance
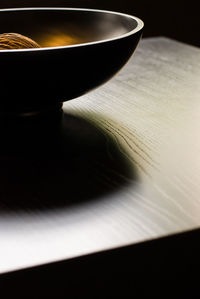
(139, 27)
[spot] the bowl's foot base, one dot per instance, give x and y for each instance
(52, 112)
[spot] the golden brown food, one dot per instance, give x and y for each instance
(16, 41)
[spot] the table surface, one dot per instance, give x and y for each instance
(123, 169)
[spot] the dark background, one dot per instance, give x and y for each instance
(158, 269)
(176, 19)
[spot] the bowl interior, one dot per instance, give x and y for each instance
(61, 27)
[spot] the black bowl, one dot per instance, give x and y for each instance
(80, 50)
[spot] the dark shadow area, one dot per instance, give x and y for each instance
(46, 164)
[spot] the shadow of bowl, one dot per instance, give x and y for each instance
(80, 50)
(48, 165)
